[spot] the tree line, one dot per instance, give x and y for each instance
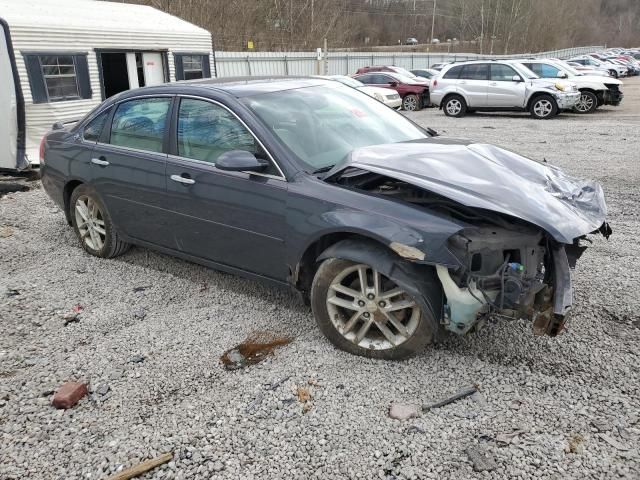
(500, 26)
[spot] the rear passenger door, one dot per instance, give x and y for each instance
(473, 83)
(128, 167)
(503, 91)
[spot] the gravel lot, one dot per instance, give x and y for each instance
(567, 407)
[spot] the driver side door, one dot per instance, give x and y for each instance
(235, 219)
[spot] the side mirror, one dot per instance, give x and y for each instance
(562, 75)
(240, 161)
(516, 78)
(394, 84)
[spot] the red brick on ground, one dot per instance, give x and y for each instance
(69, 394)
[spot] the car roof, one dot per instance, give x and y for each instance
(241, 86)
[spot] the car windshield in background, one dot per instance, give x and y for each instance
(350, 82)
(527, 72)
(403, 78)
(402, 71)
(320, 125)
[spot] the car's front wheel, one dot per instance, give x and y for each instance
(92, 224)
(366, 313)
(454, 106)
(411, 103)
(588, 102)
(543, 107)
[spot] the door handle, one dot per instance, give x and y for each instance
(181, 179)
(100, 161)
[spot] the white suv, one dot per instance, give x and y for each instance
(499, 86)
(594, 90)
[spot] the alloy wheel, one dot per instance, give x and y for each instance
(90, 221)
(543, 108)
(454, 107)
(370, 310)
(585, 103)
(410, 103)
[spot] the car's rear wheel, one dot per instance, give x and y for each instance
(454, 106)
(366, 313)
(588, 102)
(543, 107)
(613, 73)
(92, 224)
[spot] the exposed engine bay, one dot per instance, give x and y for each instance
(507, 266)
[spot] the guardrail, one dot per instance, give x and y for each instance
(229, 64)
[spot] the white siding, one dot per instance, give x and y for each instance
(86, 33)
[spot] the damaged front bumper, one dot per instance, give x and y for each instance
(567, 101)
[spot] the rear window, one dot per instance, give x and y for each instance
(94, 128)
(140, 124)
(475, 71)
(453, 72)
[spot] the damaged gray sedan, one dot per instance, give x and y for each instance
(393, 233)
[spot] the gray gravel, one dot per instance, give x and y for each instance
(560, 408)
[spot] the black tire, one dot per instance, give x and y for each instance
(543, 107)
(411, 103)
(420, 324)
(454, 106)
(614, 73)
(588, 102)
(111, 245)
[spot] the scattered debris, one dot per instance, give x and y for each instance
(252, 350)
(142, 467)
(465, 392)
(141, 288)
(415, 429)
(275, 385)
(69, 394)
(137, 359)
(256, 401)
(139, 314)
(6, 232)
(507, 438)
(613, 442)
(481, 459)
(102, 389)
(313, 382)
(575, 444)
(303, 394)
(13, 292)
(204, 287)
(307, 406)
(73, 317)
(489, 127)
(403, 411)
(77, 308)
(516, 403)
(479, 399)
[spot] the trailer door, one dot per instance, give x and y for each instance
(11, 107)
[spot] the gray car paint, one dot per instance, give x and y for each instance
(491, 178)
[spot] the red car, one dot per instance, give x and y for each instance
(414, 93)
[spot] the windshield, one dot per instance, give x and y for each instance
(351, 82)
(402, 71)
(570, 70)
(403, 78)
(320, 125)
(526, 71)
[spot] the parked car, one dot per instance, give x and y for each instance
(614, 69)
(414, 94)
(591, 62)
(389, 98)
(393, 69)
(584, 70)
(411, 41)
(499, 86)
(438, 66)
(425, 72)
(392, 234)
(595, 91)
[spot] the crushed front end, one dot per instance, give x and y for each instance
(514, 271)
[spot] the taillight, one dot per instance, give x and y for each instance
(435, 82)
(42, 142)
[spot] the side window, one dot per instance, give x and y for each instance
(206, 131)
(549, 71)
(364, 78)
(94, 128)
(140, 124)
(453, 72)
(384, 79)
(502, 73)
(475, 71)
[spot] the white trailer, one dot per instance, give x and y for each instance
(61, 58)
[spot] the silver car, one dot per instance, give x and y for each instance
(499, 86)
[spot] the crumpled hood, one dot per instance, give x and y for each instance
(488, 177)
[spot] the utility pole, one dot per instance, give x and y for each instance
(433, 20)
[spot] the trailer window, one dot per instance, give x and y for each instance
(59, 73)
(191, 66)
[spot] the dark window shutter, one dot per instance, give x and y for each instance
(36, 80)
(82, 76)
(206, 67)
(177, 59)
